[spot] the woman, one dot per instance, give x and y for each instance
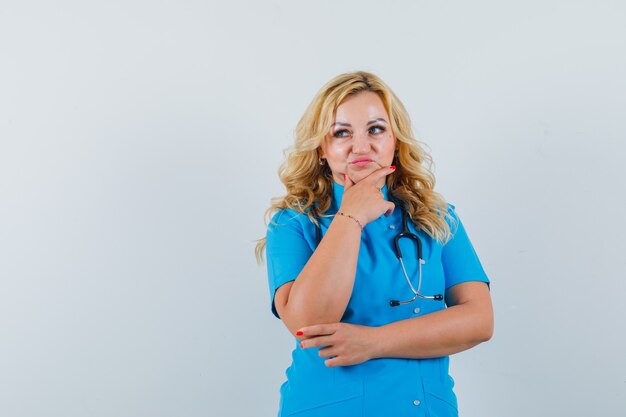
(372, 327)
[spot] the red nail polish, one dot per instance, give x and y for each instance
(301, 345)
(344, 177)
(393, 167)
(299, 333)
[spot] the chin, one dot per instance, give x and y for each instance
(358, 176)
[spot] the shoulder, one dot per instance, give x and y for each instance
(452, 218)
(451, 212)
(287, 217)
(289, 230)
(289, 221)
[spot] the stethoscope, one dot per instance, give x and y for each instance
(405, 233)
(420, 261)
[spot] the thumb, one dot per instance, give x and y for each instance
(347, 182)
(390, 208)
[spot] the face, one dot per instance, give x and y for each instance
(360, 140)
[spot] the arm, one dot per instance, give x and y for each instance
(322, 290)
(467, 322)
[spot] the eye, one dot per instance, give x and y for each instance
(342, 133)
(376, 129)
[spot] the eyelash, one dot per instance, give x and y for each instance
(382, 129)
(337, 134)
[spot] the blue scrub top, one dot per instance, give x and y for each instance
(385, 386)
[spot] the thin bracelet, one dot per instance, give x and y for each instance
(341, 213)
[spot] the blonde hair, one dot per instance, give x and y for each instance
(307, 182)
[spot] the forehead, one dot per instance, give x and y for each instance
(362, 106)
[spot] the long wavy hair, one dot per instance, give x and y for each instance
(309, 184)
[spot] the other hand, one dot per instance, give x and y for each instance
(343, 344)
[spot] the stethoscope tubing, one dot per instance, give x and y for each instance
(406, 233)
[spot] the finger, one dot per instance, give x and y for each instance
(316, 330)
(332, 362)
(347, 182)
(390, 208)
(316, 341)
(327, 352)
(380, 173)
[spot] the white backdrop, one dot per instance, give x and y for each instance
(139, 144)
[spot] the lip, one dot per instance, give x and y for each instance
(361, 161)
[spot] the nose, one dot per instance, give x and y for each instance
(361, 144)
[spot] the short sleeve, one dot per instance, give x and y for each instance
(287, 250)
(459, 259)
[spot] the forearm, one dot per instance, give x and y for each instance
(441, 333)
(323, 289)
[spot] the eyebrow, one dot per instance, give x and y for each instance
(376, 120)
(368, 123)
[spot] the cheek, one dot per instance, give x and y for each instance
(337, 151)
(388, 148)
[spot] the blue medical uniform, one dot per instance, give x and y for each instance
(385, 386)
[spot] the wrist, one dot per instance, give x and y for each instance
(351, 218)
(377, 336)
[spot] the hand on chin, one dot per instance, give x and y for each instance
(356, 173)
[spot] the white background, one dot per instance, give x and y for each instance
(139, 144)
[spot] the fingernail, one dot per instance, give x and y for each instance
(299, 333)
(393, 167)
(344, 177)
(301, 345)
